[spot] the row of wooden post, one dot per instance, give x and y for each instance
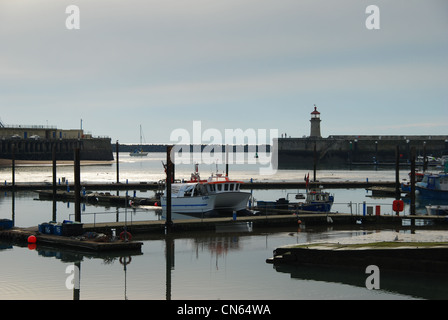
(170, 179)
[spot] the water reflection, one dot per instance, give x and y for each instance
(76, 257)
(179, 268)
(415, 284)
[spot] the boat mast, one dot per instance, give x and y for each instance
(140, 137)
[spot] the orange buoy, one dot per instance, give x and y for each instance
(32, 239)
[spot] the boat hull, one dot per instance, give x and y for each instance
(139, 154)
(231, 201)
(316, 207)
(432, 193)
(189, 205)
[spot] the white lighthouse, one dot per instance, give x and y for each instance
(315, 124)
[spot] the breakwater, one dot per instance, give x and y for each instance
(347, 151)
(31, 151)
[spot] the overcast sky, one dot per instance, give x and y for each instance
(230, 64)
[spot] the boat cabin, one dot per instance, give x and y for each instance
(228, 186)
(188, 190)
(203, 188)
(314, 196)
(435, 182)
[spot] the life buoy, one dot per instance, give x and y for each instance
(128, 236)
(125, 260)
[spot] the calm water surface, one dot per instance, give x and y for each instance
(202, 266)
(205, 265)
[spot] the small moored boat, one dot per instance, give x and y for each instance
(215, 195)
(138, 152)
(315, 201)
(433, 186)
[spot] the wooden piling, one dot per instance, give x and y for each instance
(77, 172)
(397, 175)
(314, 162)
(412, 209)
(53, 156)
(227, 160)
(118, 169)
(54, 181)
(13, 162)
(169, 180)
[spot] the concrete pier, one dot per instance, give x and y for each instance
(347, 151)
(350, 151)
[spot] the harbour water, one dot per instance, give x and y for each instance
(225, 264)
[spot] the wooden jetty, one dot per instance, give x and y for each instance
(385, 192)
(206, 224)
(98, 198)
(262, 221)
(158, 185)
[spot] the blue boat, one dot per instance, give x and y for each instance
(434, 186)
(318, 201)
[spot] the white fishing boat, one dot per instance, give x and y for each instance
(217, 194)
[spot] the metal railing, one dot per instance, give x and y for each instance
(34, 126)
(365, 208)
